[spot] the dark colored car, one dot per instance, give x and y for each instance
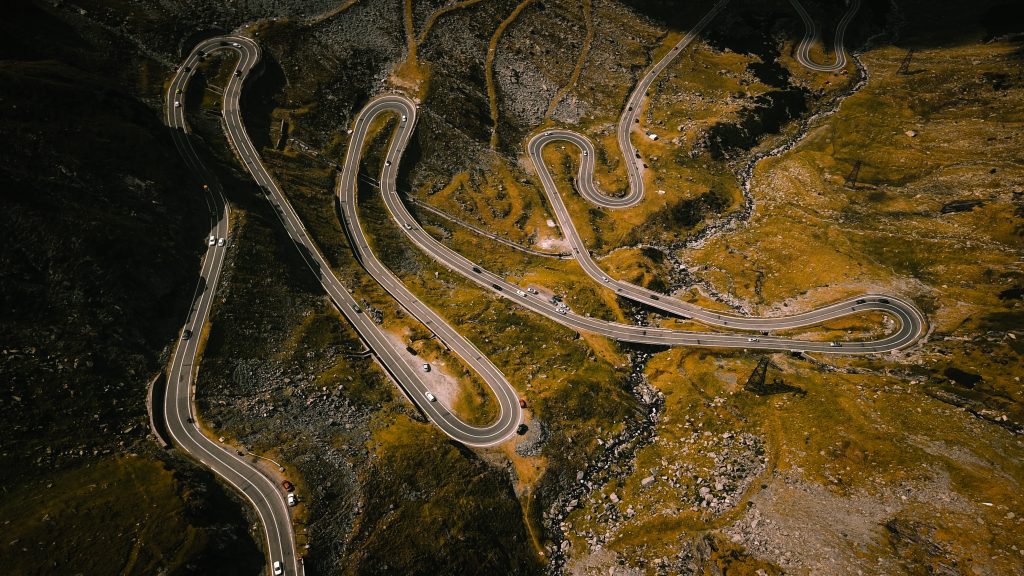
(522, 402)
(862, 301)
(883, 300)
(186, 334)
(287, 485)
(476, 269)
(522, 429)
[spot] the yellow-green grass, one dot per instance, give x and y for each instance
(430, 503)
(112, 516)
(810, 233)
(851, 434)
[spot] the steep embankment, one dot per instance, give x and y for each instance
(98, 261)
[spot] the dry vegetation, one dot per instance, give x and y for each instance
(865, 464)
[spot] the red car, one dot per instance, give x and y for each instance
(288, 486)
(522, 403)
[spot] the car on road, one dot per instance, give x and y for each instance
(476, 269)
(357, 308)
(220, 242)
(292, 500)
(430, 396)
(520, 292)
(532, 291)
(236, 44)
(655, 297)
(585, 153)
(606, 279)
(496, 287)
(408, 226)
(883, 300)
(212, 240)
(862, 301)
(404, 118)
(238, 73)
(287, 485)
(426, 367)
(178, 91)
(835, 345)
(177, 104)
(278, 568)
(387, 162)
(752, 339)
(186, 334)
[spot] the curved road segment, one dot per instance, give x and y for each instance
(179, 414)
(911, 322)
(813, 35)
(407, 378)
(260, 490)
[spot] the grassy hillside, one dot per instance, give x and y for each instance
(99, 260)
(636, 460)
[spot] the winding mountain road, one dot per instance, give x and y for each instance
(812, 35)
(910, 320)
(263, 493)
(179, 414)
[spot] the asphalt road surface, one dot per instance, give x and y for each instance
(392, 360)
(813, 35)
(910, 321)
(263, 493)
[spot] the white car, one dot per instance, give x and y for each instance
(177, 104)
(520, 292)
(220, 242)
(408, 226)
(430, 396)
(751, 339)
(278, 568)
(605, 278)
(292, 500)
(532, 291)
(426, 367)
(835, 345)
(585, 153)
(387, 162)
(211, 241)
(404, 118)
(236, 44)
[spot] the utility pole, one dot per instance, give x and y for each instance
(755, 383)
(905, 65)
(851, 178)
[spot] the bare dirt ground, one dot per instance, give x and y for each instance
(442, 384)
